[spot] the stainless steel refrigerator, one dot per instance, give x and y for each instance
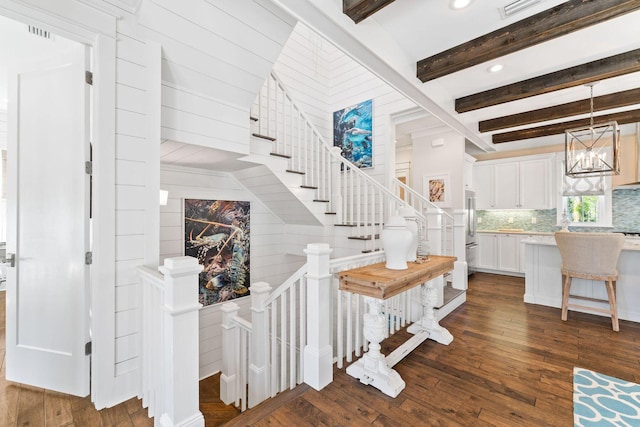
(471, 244)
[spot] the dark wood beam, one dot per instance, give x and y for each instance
(549, 24)
(622, 118)
(358, 10)
(583, 106)
(612, 66)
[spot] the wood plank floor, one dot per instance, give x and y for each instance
(510, 364)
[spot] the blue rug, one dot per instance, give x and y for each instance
(601, 400)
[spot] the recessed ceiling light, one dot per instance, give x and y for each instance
(495, 68)
(459, 4)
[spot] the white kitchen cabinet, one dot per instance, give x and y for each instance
(507, 191)
(483, 181)
(535, 188)
(487, 251)
(521, 184)
(508, 253)
(468, 172)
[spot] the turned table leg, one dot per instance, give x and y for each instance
(429, 322)
(372, 368)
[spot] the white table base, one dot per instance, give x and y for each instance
(373, 368)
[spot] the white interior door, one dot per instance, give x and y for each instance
(48, 224)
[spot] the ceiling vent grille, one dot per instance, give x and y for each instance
(40, 32)
(517, 7)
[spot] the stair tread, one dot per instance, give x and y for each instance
(269, 138)
(284, 156)
(368, 251)
(355, 225)
(298, 172)
(309, 186)
(367, 237)
(320, 200)
(331, 213)
(253, 119)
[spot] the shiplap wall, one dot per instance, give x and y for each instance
(269, 262)
(303, 66)
(132, 143)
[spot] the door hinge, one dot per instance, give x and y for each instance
(88, 258)
(88, 77)
(88, 167)
(87, 349)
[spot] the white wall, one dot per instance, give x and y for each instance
(447, 158)
(3, 129)
(304, 67)
(132, 163)
(269, 262)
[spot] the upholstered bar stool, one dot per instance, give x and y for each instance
(591, 256)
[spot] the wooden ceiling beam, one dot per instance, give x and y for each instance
(358, 10)
(605, 68)
(547, 25)
(583, 106)
(632, 116)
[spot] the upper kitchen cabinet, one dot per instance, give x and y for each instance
(515, 183)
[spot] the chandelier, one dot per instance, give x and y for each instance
(592, 150)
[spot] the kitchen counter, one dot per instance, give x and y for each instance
(516, 231)
(543, 280)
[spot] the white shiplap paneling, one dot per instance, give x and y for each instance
(269, 261)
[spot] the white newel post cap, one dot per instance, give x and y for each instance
(318, 258)
(181, 275)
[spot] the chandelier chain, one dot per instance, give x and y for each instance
(591, 108)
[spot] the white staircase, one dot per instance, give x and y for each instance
(305, 181)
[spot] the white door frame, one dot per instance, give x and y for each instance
(85, 24)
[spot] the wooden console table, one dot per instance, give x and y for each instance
(378, 283)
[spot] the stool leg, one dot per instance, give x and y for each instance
(611, 291)
(566, 288)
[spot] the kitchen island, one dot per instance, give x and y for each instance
(543, 280)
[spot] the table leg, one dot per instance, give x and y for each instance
(429, 322)
(372, 368)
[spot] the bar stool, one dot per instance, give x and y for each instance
(591, 256)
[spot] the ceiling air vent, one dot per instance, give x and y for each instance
(517, 7)
(40, 32)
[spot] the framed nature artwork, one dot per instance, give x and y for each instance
(437, 189)
(217, 233)
(352, 132)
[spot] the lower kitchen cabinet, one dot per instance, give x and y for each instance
(487, 251)
(501, 253)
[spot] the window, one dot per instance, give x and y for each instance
(584, 209)
(587, 200)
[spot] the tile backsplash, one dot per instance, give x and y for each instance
(626, 216)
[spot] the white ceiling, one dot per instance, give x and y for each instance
(423, 28)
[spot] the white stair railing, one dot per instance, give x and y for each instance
(170, 316)
(439, 236)
(358, 200)
(295, 330)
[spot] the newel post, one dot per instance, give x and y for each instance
(336, 190)
(181, 341)
(460, 277)
(318, 353)
(258, 369)
(230, 356)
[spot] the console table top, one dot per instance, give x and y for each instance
(377, 281)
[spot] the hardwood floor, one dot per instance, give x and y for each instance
(510, 364)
